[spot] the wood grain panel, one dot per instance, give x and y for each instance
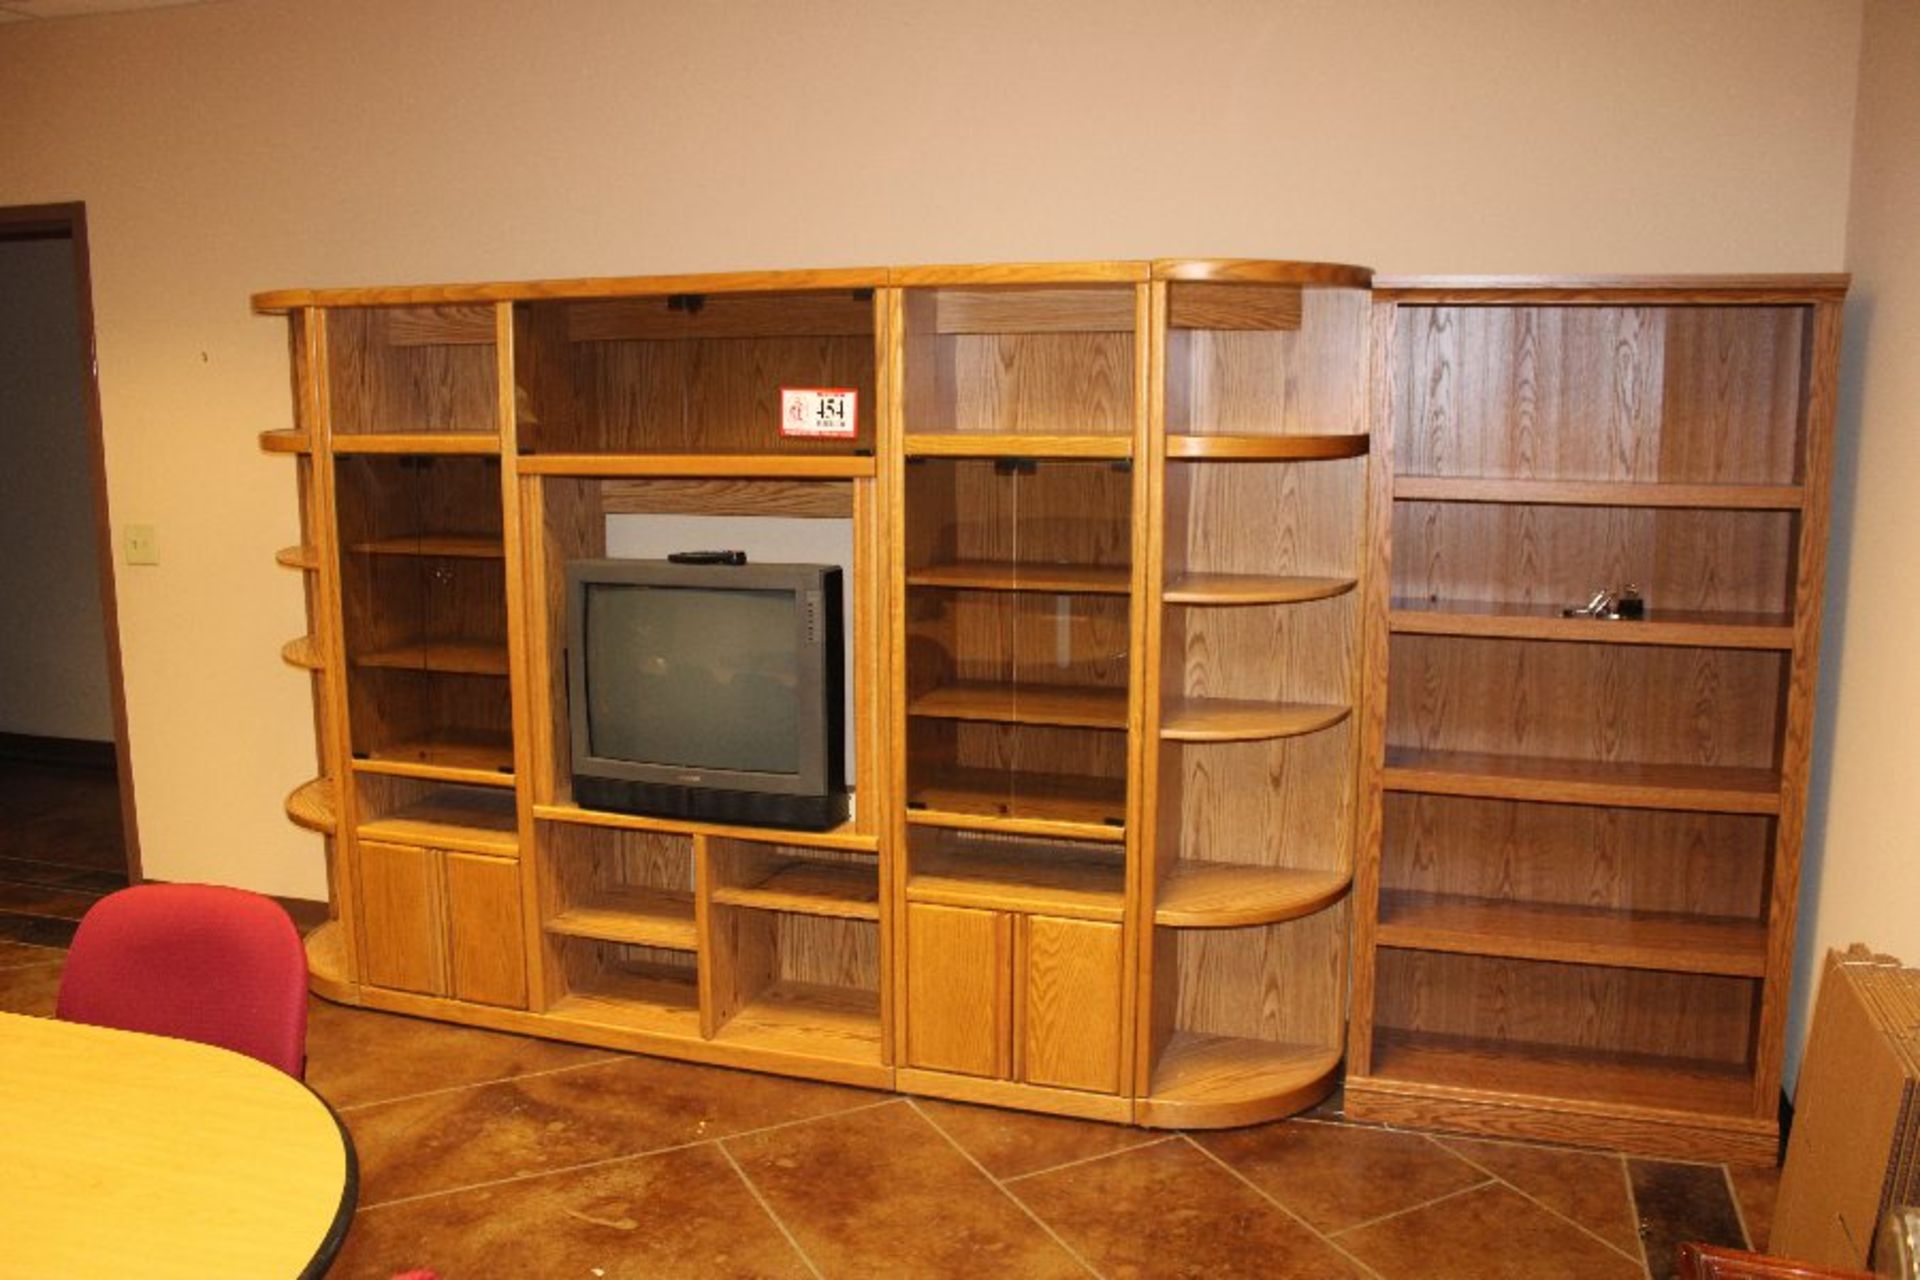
(667, 317)
(377, 385)
(959, 975)
(403, 919)
(487, 958)
(1713, 561)
(1287, 803)
(1251, 382)
(1062, 309)
(1068, 983)
(1734, 386)
(1284, 983)
(1265, 517)
(1023, 383)
(1530, 1002)
(743, 496)
(1604, 703)
(1623, 859)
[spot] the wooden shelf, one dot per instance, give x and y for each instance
(1021, 804)
(636, 915)
(1513, 621)
(1302, 448)
(981, 444)
(809, 1020)
(327, 973)
(810, 888)
(303, 652)
(1239, 720)
(298, 557)
(1600, 493)
(424, 442)
(1210, 1081)
(1251, 588)
(656, 998)
(311, 805)
(1066, 705)
(1225, 895)
(1701, 788)
(795, 466)
(448, 819)
(982, 575)
(1513, 1069)
(483, 759)
(286, 442)
(450, 657)
(1089, 885)
(444, 544)
(1671, 941)
(845, 838)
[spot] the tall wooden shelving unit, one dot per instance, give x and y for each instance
(1583, 851)
(1205, 639)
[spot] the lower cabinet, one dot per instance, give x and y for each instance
(1014, 997)
(442, 923)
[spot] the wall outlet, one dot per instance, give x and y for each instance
(139, 545)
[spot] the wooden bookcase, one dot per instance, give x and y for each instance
(1205, 659)
(1583, 850)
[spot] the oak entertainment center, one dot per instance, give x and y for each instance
(1206, 634)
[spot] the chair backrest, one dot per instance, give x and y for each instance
(194, 961)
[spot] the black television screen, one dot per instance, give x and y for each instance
(690, 677)
(708, 691)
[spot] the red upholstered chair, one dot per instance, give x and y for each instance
(194, 961)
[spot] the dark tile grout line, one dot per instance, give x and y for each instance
(1277, 1203)
(609, 1160)
(1577, 1225)
(1151, 1140)
(1633, 1207)
(1003, 1189)
(720, 1144)
(347, 1108)
(1739, 1210)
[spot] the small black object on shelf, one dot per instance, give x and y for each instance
(707, 557)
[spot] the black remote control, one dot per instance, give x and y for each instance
(707, 557)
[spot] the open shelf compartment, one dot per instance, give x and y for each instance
(1082, 879)
(400, 371)
(438, 815)
(630, 887)
(799, 984)
(691, 373)
(777, 876)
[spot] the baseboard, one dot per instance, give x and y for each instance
(63, 753)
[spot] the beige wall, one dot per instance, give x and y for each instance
(227, 148)
(1863, 841)
(53, 643)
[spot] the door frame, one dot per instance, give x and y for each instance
(69, 222)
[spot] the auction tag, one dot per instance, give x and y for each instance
(820, 411)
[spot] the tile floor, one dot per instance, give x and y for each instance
(487, 1155)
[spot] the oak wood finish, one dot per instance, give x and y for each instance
(1573, 921)
(1130, 547)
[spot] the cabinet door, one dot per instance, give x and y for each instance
(484, 942)
(1069, 989)
(402, 918)
(959, 965)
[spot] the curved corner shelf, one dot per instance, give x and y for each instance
(1314, 448)
(1251, 588)
(1239, 720)
(298, 557)
(1228, 895)
(310, 805)
(286, 442)
(303, 652)
(328, 975)
(1219, 1082)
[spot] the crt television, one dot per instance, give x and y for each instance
(708, 691)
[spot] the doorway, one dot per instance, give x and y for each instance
(67, 830)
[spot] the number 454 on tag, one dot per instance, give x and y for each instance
(832, 412)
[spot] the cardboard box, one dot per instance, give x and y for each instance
(1854, 1153)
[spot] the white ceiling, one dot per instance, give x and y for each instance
(22, 10)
